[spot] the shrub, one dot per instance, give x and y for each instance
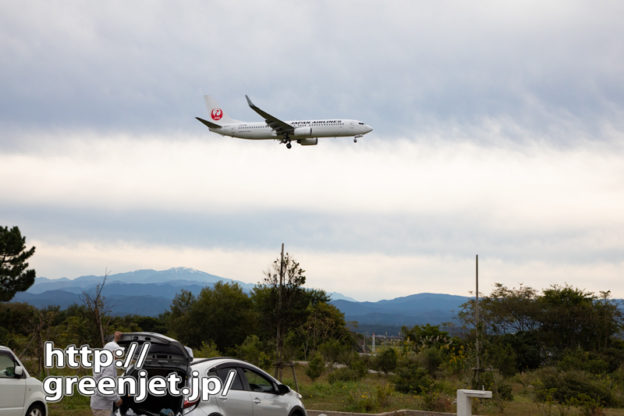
(589, 406)
(383, 394)
(583, 360)
(364, 401)
(357, 364)
(387, 360)
(572, 386)
(316, 366)
(411, 378)
(431, 359)
(502, 357)
(436, 402)
(494, 381)
(361, 402)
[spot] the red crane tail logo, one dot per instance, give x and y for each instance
(216, 114)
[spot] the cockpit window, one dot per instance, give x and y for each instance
(360, 123)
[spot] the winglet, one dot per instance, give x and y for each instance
(208, 124)
(249, 101)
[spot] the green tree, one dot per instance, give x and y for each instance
(281, 301)
(253, 350)
(14, 273)
(222, 314)
(572, 318)
(16, 323)
(207, 350)
(524, 330)
(425, 336)
(324, 321)
(178, 319)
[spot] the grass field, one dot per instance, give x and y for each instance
(374, 393)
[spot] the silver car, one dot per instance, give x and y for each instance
(20, 394)
(253, 392)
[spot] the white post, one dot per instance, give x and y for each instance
(373, 344)
(464, 408)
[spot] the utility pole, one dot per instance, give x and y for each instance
(477, 326)
(278, 346)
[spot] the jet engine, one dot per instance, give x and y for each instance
(308, 142)
(303, 132)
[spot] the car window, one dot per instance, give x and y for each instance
(223, 372)
(7, 366)
(258, 382)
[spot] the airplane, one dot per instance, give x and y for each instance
(304, 132)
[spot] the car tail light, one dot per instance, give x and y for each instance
(187, 404)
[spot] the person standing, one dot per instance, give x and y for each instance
(102, 405)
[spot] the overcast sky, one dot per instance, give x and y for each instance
(499, 130)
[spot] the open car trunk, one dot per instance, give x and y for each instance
(152, 405)
(166, 355)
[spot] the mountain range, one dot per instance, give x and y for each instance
(149, 292)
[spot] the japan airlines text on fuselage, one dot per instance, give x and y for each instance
(304, 132)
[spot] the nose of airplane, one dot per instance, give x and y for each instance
(367, 129)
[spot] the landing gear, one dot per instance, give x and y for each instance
(286, 141)
(355, 140)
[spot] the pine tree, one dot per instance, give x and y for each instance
(14, 276)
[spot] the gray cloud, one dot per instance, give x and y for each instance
(498, 129)
(554, 70)
(391, 234)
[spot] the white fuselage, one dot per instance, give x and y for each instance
(303, 129)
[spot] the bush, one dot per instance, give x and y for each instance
(364, 401)
(589, 406)
(431, 359)
(357, 364)
(434, 401)
(383, 394)
(494, 381)
(568, 387)
(356, 369)
(583, 360)
(316, 366)
(361, 402)
(386, 361)
(411, 378)
(502, 356)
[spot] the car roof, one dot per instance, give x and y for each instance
(224, 360)
(217, 360)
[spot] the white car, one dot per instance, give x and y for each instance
(20, 394)
(253, 392)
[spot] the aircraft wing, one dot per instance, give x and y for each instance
(280, 127)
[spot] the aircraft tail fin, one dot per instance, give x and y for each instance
(218, 117)
(208, 123)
